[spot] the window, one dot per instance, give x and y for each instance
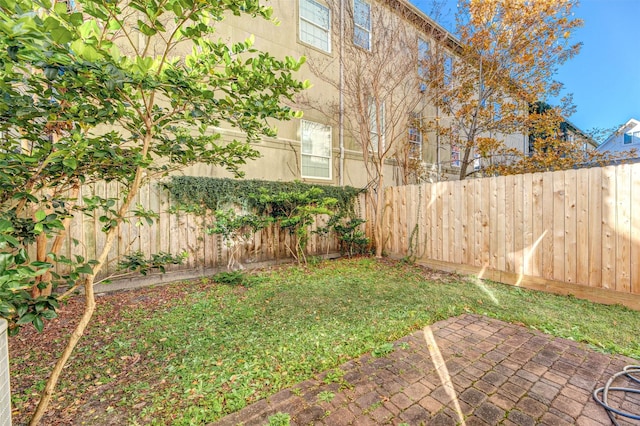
(455, 156)
(448, 70)
(632, 137)
(315, 22)
(376, 118)
(415, 137)
(316, 150)
(477, 161)
(423, 58)
(362, 24)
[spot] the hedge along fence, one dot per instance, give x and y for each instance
(186, 214)
(570, 232)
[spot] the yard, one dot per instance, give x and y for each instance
(191, 352)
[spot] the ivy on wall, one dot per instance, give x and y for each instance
(199, 192)
(243, 207)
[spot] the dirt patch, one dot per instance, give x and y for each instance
(80, 398)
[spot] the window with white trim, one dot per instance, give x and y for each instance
(376, 124)
(448, 70)
(455, 156)
(477, 161)
(362, 24)
(315, 141)
(423, 58)
(632, 137)
(415, 137)
(315, 24)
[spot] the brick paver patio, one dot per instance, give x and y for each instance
(469, 370)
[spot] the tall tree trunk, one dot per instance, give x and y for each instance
(379, 229)
(89, 309)
(465, 162)
(90, 300)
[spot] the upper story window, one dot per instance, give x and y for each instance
(362, 24)
(315, 140)
(633, 137)
(447, 68)
(315, 24)
(423, 58)
(415, 137)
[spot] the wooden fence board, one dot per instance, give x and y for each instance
(425, 209)
(460, 214)
(469, 231)
(440, 230)
(582, 227)
(608, 227)
(570, 226)
(451, 214)
(635, 228)
(516, 255)
(623, 228)
(487, 196)
(509, 218)
(547, 225)
(477, 222)
(527, 224)
(595, 227)
(558, 248)
(494, 249)
(537, 222)
(500, 224)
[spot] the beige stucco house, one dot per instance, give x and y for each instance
(363, 61)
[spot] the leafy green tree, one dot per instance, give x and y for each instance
(113, 91)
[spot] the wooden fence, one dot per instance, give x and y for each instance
(571, 232)
(177, 233)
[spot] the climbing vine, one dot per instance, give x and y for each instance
(243, 207)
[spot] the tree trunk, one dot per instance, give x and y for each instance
(90, 300)
(89, 309)
(465, 162)
(379, 230)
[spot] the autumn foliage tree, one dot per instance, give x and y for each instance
(554, 145)
(113, 91)
(505, 60)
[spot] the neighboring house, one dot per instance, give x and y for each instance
(320, 147)
(626, 138)
(566, 131)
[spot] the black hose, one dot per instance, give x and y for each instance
(629, 372)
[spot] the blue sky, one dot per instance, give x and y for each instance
(605, 77)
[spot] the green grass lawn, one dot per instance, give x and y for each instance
(220, 347)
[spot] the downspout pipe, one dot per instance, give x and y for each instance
(341, 98)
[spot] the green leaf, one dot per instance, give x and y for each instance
(38, 323)
(49, 314)
(85, 269)
(28, 318)
(61, 35)
(146, 29)
(70, 162)
(40, 215)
